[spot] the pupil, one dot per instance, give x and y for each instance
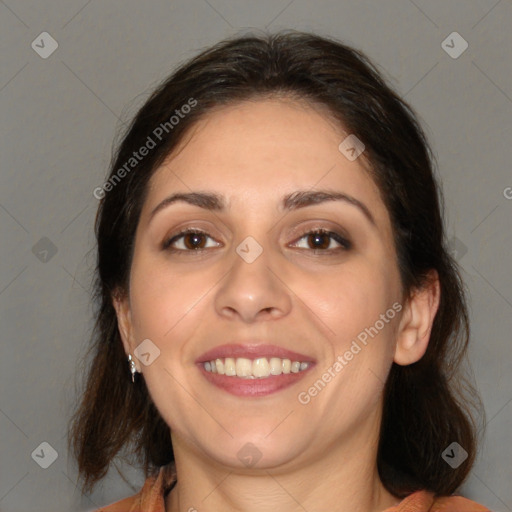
(317, 240)
(196, 237)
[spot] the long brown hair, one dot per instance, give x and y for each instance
(427, 405)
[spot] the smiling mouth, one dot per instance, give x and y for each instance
(258, 368)
(252, 368)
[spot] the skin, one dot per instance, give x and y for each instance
(315, 456)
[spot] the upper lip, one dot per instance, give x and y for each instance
(252, 351)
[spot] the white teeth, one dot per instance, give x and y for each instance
(276, 366)
(220, 366)
(243, 367)
(259, 368)
(229, 366)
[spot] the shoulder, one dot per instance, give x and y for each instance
(456, 504)
(424, 501)
(150, 498)
(130, 504)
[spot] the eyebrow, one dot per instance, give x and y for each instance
(294, 201)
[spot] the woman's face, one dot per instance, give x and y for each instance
(260, 290)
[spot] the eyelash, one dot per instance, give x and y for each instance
(345, 244)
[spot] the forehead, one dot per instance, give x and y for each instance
(260, 150)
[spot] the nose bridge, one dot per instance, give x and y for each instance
(251, 288)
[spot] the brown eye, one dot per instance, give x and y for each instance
(189, 240)
(321, 240)
(194, 240)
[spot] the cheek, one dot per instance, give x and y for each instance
(353, 306)
(351, 303)
(354, 298)
(166, 308)
(162, 297)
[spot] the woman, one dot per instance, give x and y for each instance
(272, 262)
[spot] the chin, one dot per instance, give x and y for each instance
(256, 452)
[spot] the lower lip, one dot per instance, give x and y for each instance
(253, 387)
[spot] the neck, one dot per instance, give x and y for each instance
(344, 478)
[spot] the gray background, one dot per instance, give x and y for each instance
(60, 116)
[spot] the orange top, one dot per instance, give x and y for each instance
(151, 498)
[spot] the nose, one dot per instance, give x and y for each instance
(253, 291)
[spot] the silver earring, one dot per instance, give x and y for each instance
(133, 368)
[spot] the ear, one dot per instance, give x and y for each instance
(121, 304)
(417, 320)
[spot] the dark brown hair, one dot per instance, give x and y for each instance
(426, 407)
